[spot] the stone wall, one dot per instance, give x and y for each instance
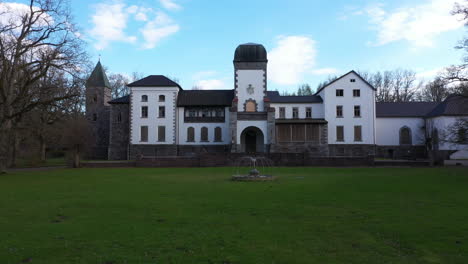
(351, 150)
(119, 132)
(401, 152)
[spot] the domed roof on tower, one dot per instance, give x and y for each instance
(250, 52)
(98, 77)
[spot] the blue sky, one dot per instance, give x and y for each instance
(194, 40)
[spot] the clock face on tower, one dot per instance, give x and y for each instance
(250, 89)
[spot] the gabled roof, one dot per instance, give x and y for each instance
(98, 77)
(275, 97)
(154, 81)
(205, 98)
(454, 105)
(122, 100)
(359, 76)
(403, 109)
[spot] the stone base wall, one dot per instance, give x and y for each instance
(300, 147)
(351, 150)
(401, 152)
(136, 151)
(192, 150)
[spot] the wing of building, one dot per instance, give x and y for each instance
(159, 118)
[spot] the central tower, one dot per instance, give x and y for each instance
(252, 119)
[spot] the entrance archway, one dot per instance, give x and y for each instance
(252, 140)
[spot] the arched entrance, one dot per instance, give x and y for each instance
(252, 140)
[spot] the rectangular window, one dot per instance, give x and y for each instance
(357, 133)
(352, 80)
(340, 133)
(144, 133)
(144, 112)
(161, 133)
(162, 112)
(282, 112)
(308, 112)
(357, 93)
(339, 111)
(357, 111)
(295, 112)
(339, 92)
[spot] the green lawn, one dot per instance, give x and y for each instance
(308, 215)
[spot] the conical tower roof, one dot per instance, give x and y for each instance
(98, 77)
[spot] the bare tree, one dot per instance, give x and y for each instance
(304, 89)
(434, 91)
(118, 83)
(34, 40)
(77, 133)
(456, 133)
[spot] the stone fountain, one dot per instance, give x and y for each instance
(253, 169)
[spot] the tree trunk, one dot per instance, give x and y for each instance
(42, 148)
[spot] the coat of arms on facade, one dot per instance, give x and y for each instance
(250, 89)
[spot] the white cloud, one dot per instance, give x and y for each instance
(12, 13)
(110, 21)
(324, 71)
(159, 28)
(211, 84)
(290, 59)
(429, 74)
(170, 4)
(203, 75)
(416, 24)
(141, 16)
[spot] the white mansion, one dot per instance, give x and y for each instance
(159, 118)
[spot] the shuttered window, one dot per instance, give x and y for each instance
(339, 133)
(283, 133)
(161, 133)
(357, 133)
(312, 132)
(144, 133)
(298, 132)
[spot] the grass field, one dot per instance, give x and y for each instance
(308, 215)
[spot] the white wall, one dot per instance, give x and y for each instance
(388, 130)
(442, 123)
(366, 101)
(317, 109)
(243, 124)
(153, 121)
(182, 130)
(257, 79)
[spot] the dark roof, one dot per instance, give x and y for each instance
(359, 76)
(250, 52)
(275, 97)
(454, 105)
(406, 109)
(205, 98)
(154, 81)
(122, 100)
(98, 77)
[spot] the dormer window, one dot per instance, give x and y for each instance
(144, 98)
(162, 98)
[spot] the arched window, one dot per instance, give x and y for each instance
(204, 134)
(218, 134)
(405, 136)
(162, 98)
(144, 98)
(250, 106)
(190, 134)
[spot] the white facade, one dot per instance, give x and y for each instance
(388, 130)
(250, 86)
(366, 102)
(182, 136)
(441, 123)
(317, 109)
(153, 120)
